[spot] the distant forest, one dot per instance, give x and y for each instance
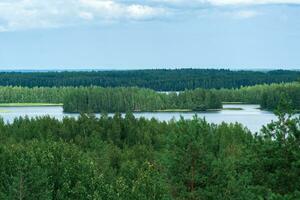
(159, 80)
(123, 99)
(97, 99)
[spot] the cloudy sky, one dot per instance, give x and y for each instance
(130, 34)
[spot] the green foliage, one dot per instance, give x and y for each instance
(209, 162)
(278, 147)
(268, 96)
(121, 99)
(128, 158)
(159, 79)
(95, 99)
(47, 170)
(11, 94)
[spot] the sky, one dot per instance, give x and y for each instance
(132, 34)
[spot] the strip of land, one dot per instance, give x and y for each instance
(190, 110)
(235, 102)
(29, 104)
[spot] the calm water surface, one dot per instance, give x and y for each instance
(250, 115)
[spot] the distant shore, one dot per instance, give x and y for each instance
(29, 104)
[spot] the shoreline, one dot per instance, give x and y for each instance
(29, 104)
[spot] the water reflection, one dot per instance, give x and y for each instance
(249, 115)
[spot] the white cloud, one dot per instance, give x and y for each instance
(28, 14)
(227, 2)
(140, 11)
(252, 2)
(246, 13)
(112, 10)
(31, 14)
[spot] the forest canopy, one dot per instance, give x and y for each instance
(97, 99)
(134, 158)
(120, 157)
(122, 99)
(158, 80)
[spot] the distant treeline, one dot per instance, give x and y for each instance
(118, 158)
(268, 96)
(33, 95)
(134, 99)
(121, 99)
(97, 99)
(159, 80)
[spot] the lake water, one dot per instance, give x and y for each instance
(250, 115)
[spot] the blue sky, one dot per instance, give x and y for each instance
(131, 34)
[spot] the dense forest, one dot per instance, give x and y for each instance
(128, 158)
(268, 96)
(121, 99)
(97, 99)
(118, 158)
(159, 80)
(134, 99)
(33, 95)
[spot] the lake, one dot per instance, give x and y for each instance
(250, 115)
